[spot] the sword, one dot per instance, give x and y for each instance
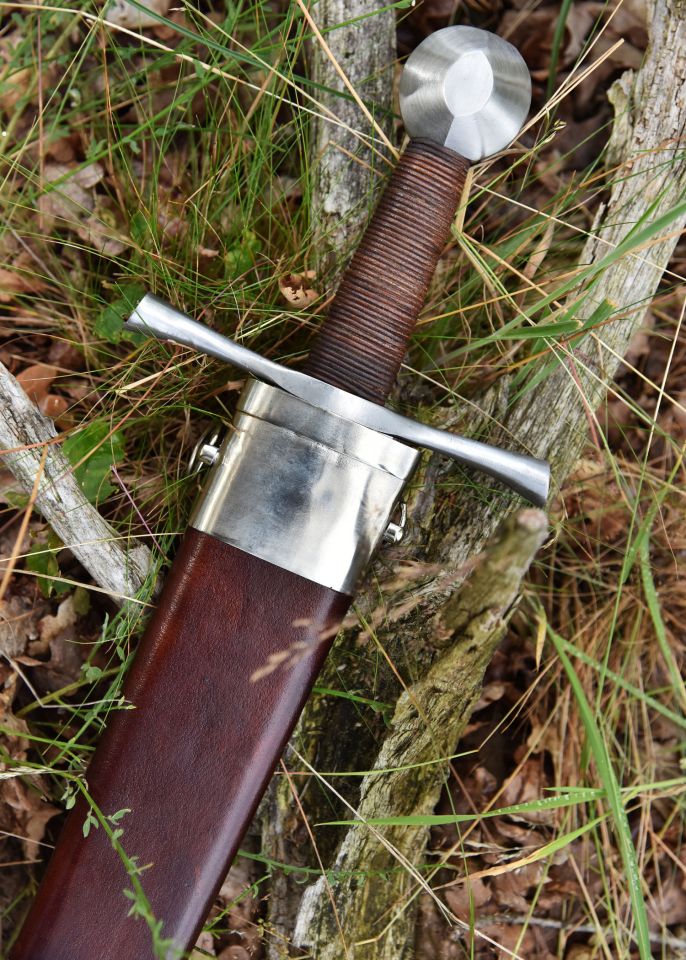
(299, 496)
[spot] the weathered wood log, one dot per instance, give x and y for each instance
(360, 895)
(117, 566)
(429, 717)
(347, 169)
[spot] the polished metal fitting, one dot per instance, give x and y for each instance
(465, 89)
(303, 489)
(309, 476)
(395, 532)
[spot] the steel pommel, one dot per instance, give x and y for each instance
(306, 490)
(465, 89)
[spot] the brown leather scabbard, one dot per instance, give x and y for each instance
(222, 673)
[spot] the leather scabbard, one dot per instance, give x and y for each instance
(193, 758)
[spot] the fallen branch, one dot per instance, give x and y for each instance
(29, 450)
(429, 718)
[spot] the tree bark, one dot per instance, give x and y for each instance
(361, 909)
(429, 717)
(351, 159)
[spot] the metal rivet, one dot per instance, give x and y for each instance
(395, 532)
(205, 451)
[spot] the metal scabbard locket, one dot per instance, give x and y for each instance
(309, 476)
(301, 488)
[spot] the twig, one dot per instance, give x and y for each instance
(28, 448)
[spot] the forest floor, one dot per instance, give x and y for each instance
(176, 157)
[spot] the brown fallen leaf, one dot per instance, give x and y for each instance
(63, 149)
(64, 354)
(204, 943)
(24, 812)
(19, 619)
(522, 941)
(236, 895)
(18, 275)
(36, 380)
(509, 889)
(528, 785)
(234, 953)
(71, 199)
(58, 635)
(296, 288)
(467, 897)
(54, 407)
(54, 626)
(667, 906)
(13, 82)
(491, 693)
(101, 234)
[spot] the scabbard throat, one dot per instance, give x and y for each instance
(304, 489)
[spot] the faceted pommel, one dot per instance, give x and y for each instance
(465, 89)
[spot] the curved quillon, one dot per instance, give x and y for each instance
(465, 89)
(528, 476)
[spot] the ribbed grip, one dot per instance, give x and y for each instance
(364, 338)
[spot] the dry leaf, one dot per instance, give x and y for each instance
(236, 895)
(19, 618)
(72, 198)
(528, 785)
(490, 694)
(667, 905)
(518, 940)
(23, 812)
(509, 889)
(58, 635)
(52, 627)
(204, 942)
(467, 897)
(297, 290)
(234, 953)
(36, 380)
(54, 407)
(15, 83)
(101, 235)
(18, 275)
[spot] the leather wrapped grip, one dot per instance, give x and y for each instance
(365, 336)
(193, 759)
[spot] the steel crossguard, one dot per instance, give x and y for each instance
(526, 475)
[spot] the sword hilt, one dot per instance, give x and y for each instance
(297, 500)
(463, 96)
